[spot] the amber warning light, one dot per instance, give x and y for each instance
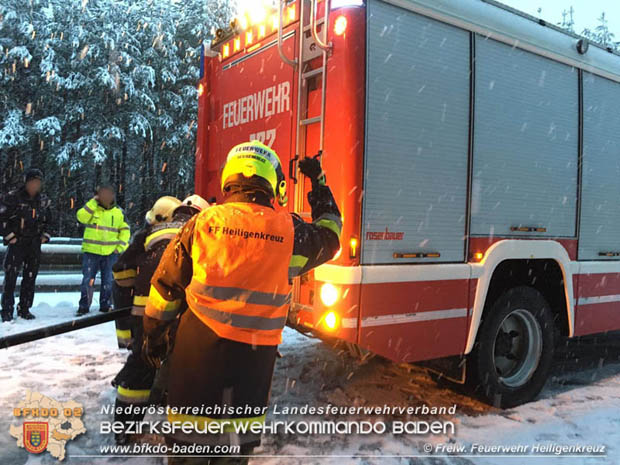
(353, 247)
(340, 26)
(255, 20)
(331, 320)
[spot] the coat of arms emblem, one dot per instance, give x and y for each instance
(35, 436)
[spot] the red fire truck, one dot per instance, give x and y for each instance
(475, 154)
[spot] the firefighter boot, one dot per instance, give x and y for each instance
(160, 384)
(123, 413)
(7, 314)
(25, 313)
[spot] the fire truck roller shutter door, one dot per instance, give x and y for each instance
(599, 231)
(417, 138)
(525, 143)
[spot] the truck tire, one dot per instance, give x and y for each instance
(513, 353)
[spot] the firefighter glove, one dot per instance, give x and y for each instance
(10, 238)
(153, 352)
(311, 167)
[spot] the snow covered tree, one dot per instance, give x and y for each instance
(95, 90)
(568, 21)
(601, 33)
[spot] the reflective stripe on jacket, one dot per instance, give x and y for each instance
(139, 302)
(105, 230)
(164, 232)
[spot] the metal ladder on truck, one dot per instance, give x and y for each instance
(311, 46)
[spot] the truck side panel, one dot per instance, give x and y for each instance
(415, 184)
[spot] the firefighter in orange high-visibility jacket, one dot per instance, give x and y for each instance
(232, 265)
(133, 272)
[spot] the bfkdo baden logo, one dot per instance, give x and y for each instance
(35, 436)
(46, 424)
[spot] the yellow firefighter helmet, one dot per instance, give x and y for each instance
(253, 164)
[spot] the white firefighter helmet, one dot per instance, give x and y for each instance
(196, 202)
(162, 209)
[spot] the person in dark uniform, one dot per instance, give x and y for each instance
(228, 274)
(24, 223)
(133, 271)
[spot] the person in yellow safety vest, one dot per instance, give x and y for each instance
(232, 266)
(133, 271)
(106, 234)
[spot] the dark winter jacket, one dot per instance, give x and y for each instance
(135, 267)
(24, 217)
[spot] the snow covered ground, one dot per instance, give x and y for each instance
(50, 309)
(579, 406)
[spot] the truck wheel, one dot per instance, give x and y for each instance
(513, 353)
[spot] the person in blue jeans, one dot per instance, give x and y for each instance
(106, 235)
(91, 265)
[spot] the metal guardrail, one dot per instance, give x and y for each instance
(62, 240)
(56, 246)
(68, 326)
(60, 254)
